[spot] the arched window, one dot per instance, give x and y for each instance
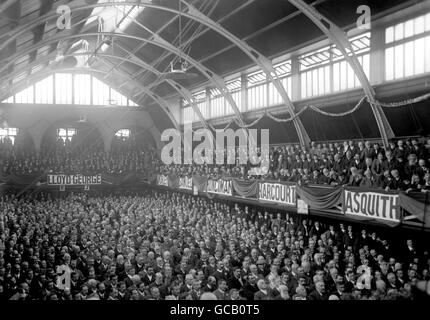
(67, 88)
(8, 134)
(66, 133)
(123, 134)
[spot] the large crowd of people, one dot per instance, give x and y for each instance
(403, 165)
(159, 245)
(69, 158)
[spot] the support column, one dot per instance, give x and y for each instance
(107, 134)
(339, 37)
(295, 78)
(243, 92)
(377, 56)
(37, 131)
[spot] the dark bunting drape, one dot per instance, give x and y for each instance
(173, 180)
(417, 204)
(320, 198)
(151, 177)
(243, 188)
(200, 182)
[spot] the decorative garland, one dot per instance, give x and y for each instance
(226, 127)
(339, 114)
(329, 114)
(252, 123)
(271, 116)
(402, 103)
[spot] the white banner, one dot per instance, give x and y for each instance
(186, 183)
(73, 180)
(162, 180)
(220, 186)
(276, 192)
(372, 205)
(302, 207)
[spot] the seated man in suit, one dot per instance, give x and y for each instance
(250, 287)
(234, 295)
(236, 281)
(264, 293)
(210, 285)
(319, 292)
(221, 293)
(187, 286)
(196, 292)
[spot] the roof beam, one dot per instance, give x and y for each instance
(185, 93)
(40, 75)
(192, 13)
(215, 79)
(260, 31)
(161, 29)
(158, 41)
(339, 37)
(5, 5)
(199, 34)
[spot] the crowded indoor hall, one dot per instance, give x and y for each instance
(226, 150)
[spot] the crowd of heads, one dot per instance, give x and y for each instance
(69, 157)
(159, 245)
(403, 165)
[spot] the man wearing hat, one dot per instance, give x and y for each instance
(262, 267)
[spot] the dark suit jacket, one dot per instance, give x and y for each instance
(185, 289)
(196, 294)
(249, 291)
(161, 287)
(260, 295)
(220, 275)
(221, 295)
(128, 282)
(234, 283)
(349, 286)
(314, 231)
(302, 229)
(145, 279)
(315, 295)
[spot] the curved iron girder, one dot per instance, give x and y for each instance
(194, 14)
(216, 80)
(163, 104)
(338, 36)
(185, 93)
(4, 6)
(42, 74)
